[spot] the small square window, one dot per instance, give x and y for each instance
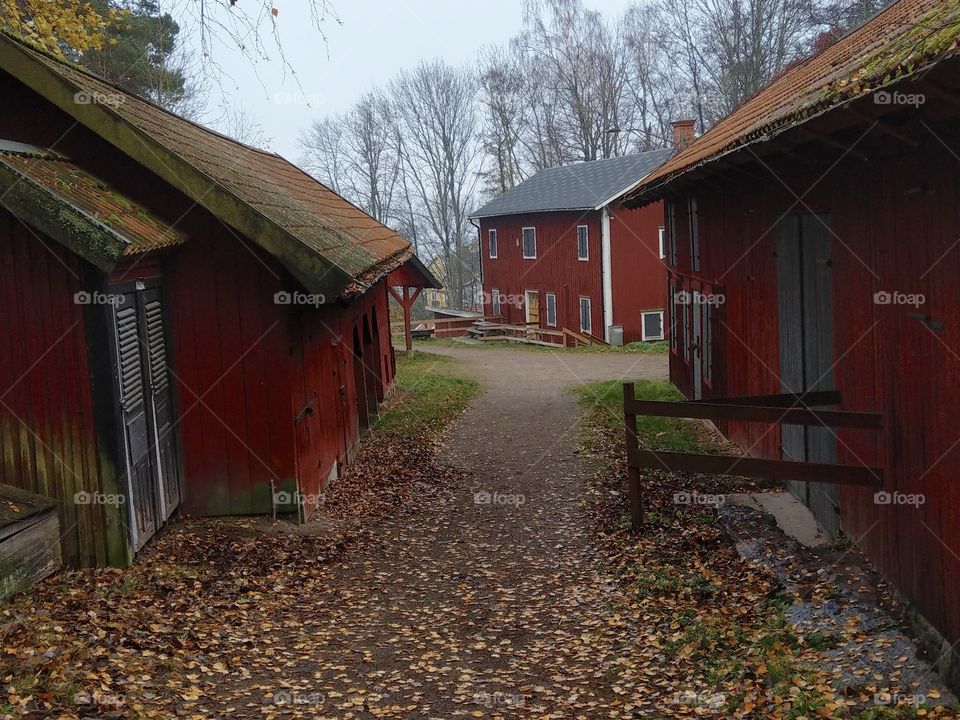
(551, 309)
(583, 242)
(652, 325)
(529, 243)
(492, 243)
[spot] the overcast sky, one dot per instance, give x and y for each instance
(376, 39)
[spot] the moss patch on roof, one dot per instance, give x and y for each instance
(934, 36)
(324, 240)
(69, 187)
(909, 37)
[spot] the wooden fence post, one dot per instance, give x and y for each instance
(633, 445)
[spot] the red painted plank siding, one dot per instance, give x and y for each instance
(47, 439)
(324, 365)
(556, 268)
(247, 366)
(637, 270)
(239, 359)
(894, 223)
(231, 354)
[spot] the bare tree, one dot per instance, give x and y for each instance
(657, 92)
(324, 152)
(505, 102)
(373, 163)
(237, 122)
(436, 106)
(357, 155)
(727, 50)
(583, 74)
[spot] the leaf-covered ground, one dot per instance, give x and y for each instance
(486, 573)
(719, 625)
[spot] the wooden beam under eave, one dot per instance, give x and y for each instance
(846, 148)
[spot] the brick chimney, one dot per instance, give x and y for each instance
(683, 133)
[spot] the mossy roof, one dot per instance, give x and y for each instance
(330, 244)
(907, 38)
(95, 199)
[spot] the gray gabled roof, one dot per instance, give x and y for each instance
(581, 186)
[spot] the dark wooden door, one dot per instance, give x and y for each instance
(147, 411)
(163, 420)
(696, 349)
(359, 382)
(141, 495)
(806, 349)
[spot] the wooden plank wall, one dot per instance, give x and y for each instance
(325, 365)
(637, 270)
(895, 221)
(47, 439)
(231, 350)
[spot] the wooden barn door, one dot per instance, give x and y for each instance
(147, 416)
(165, 439)
(359, 383)
(696, 350)
(533, 307)
(806, 349)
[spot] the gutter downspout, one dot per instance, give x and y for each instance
(606, 280)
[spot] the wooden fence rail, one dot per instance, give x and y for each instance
(785, 409)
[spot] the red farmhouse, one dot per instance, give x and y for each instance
(188, 322)
(559, 251)
(813, 251)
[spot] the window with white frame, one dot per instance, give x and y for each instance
(586, 321)
(652, 325)
(551, 309)
(529, 243)
(583, 242)
(662, 238)
(495, 301)
(694, 234)
(492, 242)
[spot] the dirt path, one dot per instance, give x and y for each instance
(485, 604)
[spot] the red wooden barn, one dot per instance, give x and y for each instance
(189, 322)
(812, 248)
(560, 251)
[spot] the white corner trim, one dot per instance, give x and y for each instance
(606, 255)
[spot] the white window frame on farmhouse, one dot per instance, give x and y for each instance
(643, 325)
(523, 242)
(662, 238)
(551, 308)
(495, 301)
(589, 315)
(583, 243)
(492, 243)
